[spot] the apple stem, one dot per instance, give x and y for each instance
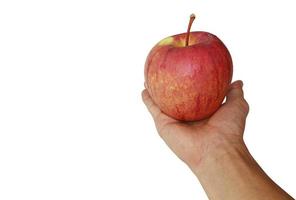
(192, 18)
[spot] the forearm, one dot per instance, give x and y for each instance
(229, 172)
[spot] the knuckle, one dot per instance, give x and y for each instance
(145, 96)
(244, 105)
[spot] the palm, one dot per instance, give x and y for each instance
(190, 140)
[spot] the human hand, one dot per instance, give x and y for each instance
(193, 141)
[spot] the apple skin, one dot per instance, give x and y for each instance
(190, 82)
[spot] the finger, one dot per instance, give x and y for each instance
(151, 106)
(235, 97)
(235, 91)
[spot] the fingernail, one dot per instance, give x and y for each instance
(237, 84)
(241, 83)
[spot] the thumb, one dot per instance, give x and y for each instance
(235, 97)
(235, 91)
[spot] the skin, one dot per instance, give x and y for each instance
(215, 151)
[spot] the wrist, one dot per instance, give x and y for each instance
(222, 150)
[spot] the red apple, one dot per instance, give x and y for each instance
(187, 75)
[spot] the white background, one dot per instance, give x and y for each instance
(72, 123)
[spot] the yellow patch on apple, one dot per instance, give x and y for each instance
(166, 41)
(172, 41)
